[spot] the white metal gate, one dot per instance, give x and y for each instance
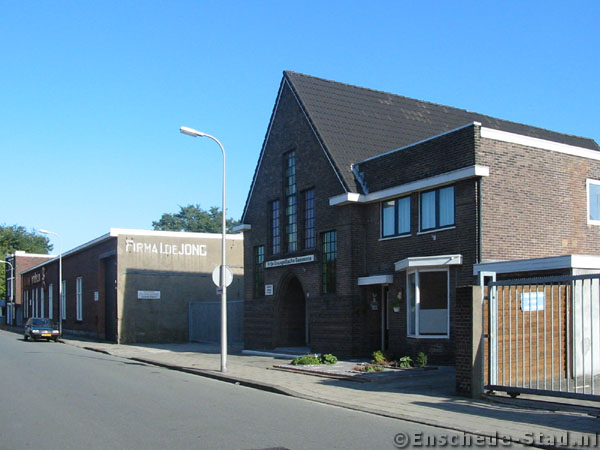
(543, 336)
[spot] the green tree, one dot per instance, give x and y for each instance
(15, 237)
(192, 218)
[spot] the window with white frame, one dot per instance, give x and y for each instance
(63, 300)
(593, 202)
(51, 301)
(437, 208)
(42, 302)
(395, 217)
(427, 303)
(79, 298)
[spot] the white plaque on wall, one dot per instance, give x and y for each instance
(149, 295)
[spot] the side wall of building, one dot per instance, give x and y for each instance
(159, 275)
(535, 202)
(86, 265)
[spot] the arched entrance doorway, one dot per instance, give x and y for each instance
(292, 314)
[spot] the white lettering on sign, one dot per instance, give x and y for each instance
(289, 261)
(165, 249)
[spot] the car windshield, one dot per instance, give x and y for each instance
(41, 322)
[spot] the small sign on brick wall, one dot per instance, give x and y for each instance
(268, 289)
(148, 295)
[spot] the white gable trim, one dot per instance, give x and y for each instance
(419, 185)
(504, 136)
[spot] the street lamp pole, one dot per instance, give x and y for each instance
(60, 291)
(12, 291)
(195, 133)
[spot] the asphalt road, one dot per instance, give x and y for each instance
(55, 396)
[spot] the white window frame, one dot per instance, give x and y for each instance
(51, 301)
(589, 182)
(417, 334)
(63, 301)
(79, 298)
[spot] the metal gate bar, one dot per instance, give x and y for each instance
(529, 352)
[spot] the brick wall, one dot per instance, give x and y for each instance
(535, 202)
(88, 265)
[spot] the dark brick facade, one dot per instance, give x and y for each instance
(532, 204)
(89, 264)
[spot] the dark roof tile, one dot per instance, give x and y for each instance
(357, 123)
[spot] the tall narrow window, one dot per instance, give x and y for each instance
(51, 301)
(329, 257)
(275, 237)
(309, 218)
(291, 209)
(79, 297)
(291, 213)
(259, 271)
(437, 208)
(43, 303)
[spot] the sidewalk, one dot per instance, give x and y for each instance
(427, 398)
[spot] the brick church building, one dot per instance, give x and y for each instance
(368, 211)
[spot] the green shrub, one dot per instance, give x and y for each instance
(314, 359)
(421, 360)
(379, 357)
(306, 359)
(405, 362)
(328, 358)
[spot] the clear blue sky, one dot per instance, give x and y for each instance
(93, 92)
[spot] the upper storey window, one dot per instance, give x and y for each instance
(395, 217)
(593, 202)
(437, 208)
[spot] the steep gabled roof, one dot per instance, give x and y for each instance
(355, 123)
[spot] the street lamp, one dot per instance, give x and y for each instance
(12, 292)
(195, 133)
(60, 292)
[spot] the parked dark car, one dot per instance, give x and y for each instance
(41, 328)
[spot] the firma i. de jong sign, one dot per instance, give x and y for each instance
(162, 248)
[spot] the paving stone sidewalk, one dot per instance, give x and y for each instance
(427, 398)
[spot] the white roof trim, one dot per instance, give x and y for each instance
(513, 138)
(114, 232)
(419, 185)
(539, 264)
(375, 279)
(428, 261)
(242, 227)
